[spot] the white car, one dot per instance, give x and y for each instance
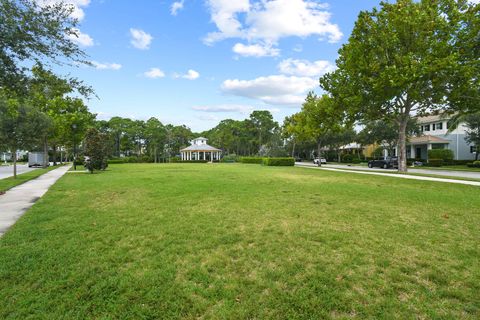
(321, 160)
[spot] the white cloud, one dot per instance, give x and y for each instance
(225, 108)
(275, 89)
(190, 75)
(76, 5)
(298, 48)
(176, 6)
(305, 68)
(106, 66)
(224, 15)
(268, 21)
(140, 39)
(154, 73)
(255, 50)
(208, 117)
(81, 38)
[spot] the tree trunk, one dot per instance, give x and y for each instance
(293, 149)
(402, 141)
(319, 151)
(45, 153)
(14, 156)
(54, 155)
(338, 156)
(155, 150)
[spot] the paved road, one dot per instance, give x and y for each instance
(7, 171)
(447, 173)
(391, 173)
(19, 199)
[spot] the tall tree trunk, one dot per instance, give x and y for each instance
(338, 156)
(14, 156)
(293, 149)
(402, 141)
(45, 153)
(155, 150)
(319, 151)
(54, 147)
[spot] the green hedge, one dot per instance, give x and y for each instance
(475, 164)
(279, 162)
(435, 162)
(444, 154)
(255, 160)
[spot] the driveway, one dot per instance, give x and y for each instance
(7, 171)
(447, 173)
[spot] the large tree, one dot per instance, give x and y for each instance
(21, 126)
(30, 32)
(408, 58)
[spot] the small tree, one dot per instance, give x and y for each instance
(472, 135)
(20, 127)
(96, 149)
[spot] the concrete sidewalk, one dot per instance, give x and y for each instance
(393, 175)
(17, 200)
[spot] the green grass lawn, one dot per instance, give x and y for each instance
(10, 182)
(232, 241)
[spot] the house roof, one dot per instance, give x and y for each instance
(203, 147)
(427, 139)
(200, 138)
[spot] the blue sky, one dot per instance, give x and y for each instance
(196, 62)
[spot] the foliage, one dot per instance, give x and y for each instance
(385, 70)
(321, 245)
(472, 134)
(444, 154)
(435, 162)
(21, 126)
(257, 134)
(474, 164)
(96, 149)
(251, 160)
(31, 32)
(278, 162)
(230, 158)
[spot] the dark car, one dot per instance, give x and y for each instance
(388, 162)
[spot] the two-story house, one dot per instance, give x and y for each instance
(436, 136)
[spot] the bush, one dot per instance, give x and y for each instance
(474, 164)
(230, 158)
(347, 158)
(435, 162)
(279, 162)
(461, 162)
(445, 154)
(250, 160)
(356, 160)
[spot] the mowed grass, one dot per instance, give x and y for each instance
(236, 241)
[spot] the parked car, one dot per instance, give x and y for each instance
(386, 163)
(321, 160)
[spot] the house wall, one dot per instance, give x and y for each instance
(456, 138)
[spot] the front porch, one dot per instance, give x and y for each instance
(417, 147)
(200, 155)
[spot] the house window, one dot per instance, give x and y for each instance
(440, 126)
(433, 127)
(473, 149)
(426, 127)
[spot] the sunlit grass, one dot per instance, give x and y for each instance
(146, 241)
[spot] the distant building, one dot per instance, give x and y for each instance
(436, 136)
(200, 150)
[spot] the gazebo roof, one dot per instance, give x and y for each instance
(203, 147)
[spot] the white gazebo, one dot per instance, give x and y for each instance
(200, 150)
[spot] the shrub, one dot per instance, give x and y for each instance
(461, 162)
(445, 154)
(356, 160)
(278, 161)
(250, 160)
(435, 162)
(474, 164)
(230, 158)
(347, 158)
(192, 161)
